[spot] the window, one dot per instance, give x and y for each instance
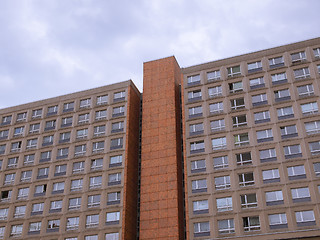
(28, 159)
(296, 172)
(288, 131)
(246, 179)
(37, 208)
(85, 103)
(100, 130)
(279, 78)
(201, 229)
(9, 178)
(199, 185)
(234, 71)
(113, 198)
(50, 125)
(224, 204)
(316, 52)
(92, 221)
(115, 161)
(34, 128)
(4, 213)
(226, 226)
(94, 201)
(83, 118)
(35, 227)
(285, 112)
(113, 218)
(268, 155)
(16, 146)
(103, 99)
(312, 127)
(220, 162)
(78, 167)
(241, 139)
(32, 143)
(53, 225)
(3, 149)
(40, 190)
(118, 111)
(58, 187)
(74, 203)
(213, 76)
(194, 95)
(62, 153)
(16, 230)
(239, 121)
(278, 220)
(64, 137)
(82, 133)
(251, 223)
(116, 143)
(6, 120)
(261, 117)
(76, 185)
(216, 108)
(198, 166)
(45, 156)
(276, 62)
(72, 223)
(12, 162)
(222, 182)
(26, 176)
(196, 129)
(52, 110)
(316, 167)
(260, 99)
(237, 104)
(318, 66)
(244, 158)
(1, 161)
(91, 237)
(305, 90)
(219, 143)
(112, 236)
(197, 147)
(257, 83)
(305, 218)
(254, 67)
(2, 230)
(68, 107)
(282, 95)
(314, 148)
(21, 117)
(300, 194)
(193, 80)
(215, 91)
(298, 57)
(117, 127)
(217, 125)
(95, 182)
(97, 164)
(4, 134)
(235, 87)
(264, 135)
(19, 211)
(60, 170)
(101, 115)
(55, 206)
(195, 112)
(80, 150)
(66, 122)
(249, 200)
(200, 206)
(271, 175)
(119, 96)
(18, 131)
(274, 198)
(114, 179)
(47, 140)
(6, 195)
(301, 73)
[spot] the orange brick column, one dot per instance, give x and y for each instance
(161, 209)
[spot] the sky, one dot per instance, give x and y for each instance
(50, 48)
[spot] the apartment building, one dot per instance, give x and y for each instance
(67, 168)
(228, 149)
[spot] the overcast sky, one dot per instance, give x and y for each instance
(54, 47)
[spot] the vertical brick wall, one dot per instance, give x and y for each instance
(129, 214)
(161, 215)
